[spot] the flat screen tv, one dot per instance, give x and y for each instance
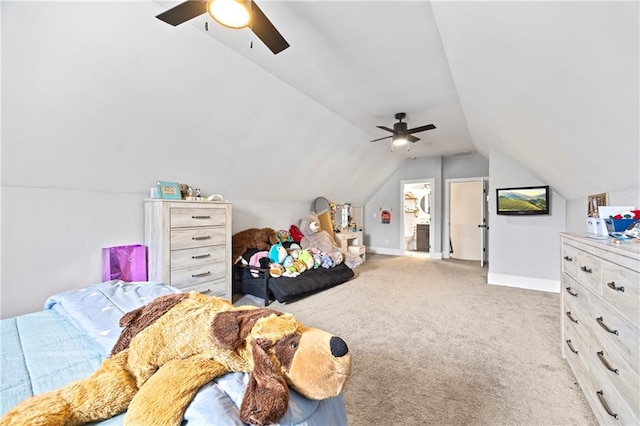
(523, 200)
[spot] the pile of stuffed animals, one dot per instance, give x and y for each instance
(290, 253)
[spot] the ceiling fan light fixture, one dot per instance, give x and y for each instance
(230, 13)
(399, 140)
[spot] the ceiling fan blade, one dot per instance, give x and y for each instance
(385, 128)
(412, 138)
(183, 12)
(421, 128)
(376, 140)
(264, 29)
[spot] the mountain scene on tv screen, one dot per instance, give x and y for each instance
(520, 201)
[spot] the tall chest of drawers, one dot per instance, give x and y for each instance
(601, 324)
(189, 245)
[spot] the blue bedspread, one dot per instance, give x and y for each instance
(75, 333)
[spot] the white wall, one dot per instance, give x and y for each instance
(525, 250)
(101, 99)
(552, 84)
(386, 239)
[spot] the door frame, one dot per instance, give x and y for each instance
(434, 216)
(446, 233)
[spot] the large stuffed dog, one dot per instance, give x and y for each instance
(174, 345)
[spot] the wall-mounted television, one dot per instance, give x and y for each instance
(523, 200)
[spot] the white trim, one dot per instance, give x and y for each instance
(433, 209)
(397, 252)
(447, 213)
(384, 250)
(529, 283)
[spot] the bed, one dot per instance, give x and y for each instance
(75, 332)
(258, 282)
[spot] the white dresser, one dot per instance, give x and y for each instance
(601, 324)
(189, 245)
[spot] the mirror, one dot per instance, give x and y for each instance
(424, 204)
(320, 205)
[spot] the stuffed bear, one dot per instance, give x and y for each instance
(314, 236)
(172, 346)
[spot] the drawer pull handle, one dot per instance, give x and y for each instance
(200, 217)
(612, 286)
(572, 318)
(202, 274)
(587, 270)
(604, 361)
(201, 256)
(568, 258)
(571, 292)
(603, 325)
(206, 237)
(605, 405)
(571, 347)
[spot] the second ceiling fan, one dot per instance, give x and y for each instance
(401, 134)
(244, 14)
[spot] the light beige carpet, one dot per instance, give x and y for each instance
(433, 344)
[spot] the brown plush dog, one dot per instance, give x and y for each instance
(261, 239)
(176, 344)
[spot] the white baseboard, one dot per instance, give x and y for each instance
(397, 252)
(529, 283)
(383, 250)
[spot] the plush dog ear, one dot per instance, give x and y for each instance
(133, 322)
(229, 329)
(267, 396)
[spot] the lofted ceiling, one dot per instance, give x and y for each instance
(365, 61)
(552, 84)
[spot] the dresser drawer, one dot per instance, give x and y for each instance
(210, 288)
(575, 292)
(197, 256)
(605, 394)
(614, 368)
(191, 217)
(197, 237)
(188, 277)
(570, 260)
(576, 318)
(589, 271)
(609, 327)
(576, 350)
(620, 288)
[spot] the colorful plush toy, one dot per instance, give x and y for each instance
(305, 256)
(177, 343)
(277, 253)
(316, 237)
(283, 236)
(326, 261)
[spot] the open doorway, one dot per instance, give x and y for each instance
(417, 217)
(465, 233)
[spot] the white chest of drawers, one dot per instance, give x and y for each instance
(601, 324)
(189, 245)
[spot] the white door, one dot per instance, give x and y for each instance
(466, 220)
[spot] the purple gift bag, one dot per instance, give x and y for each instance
(126, 263)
